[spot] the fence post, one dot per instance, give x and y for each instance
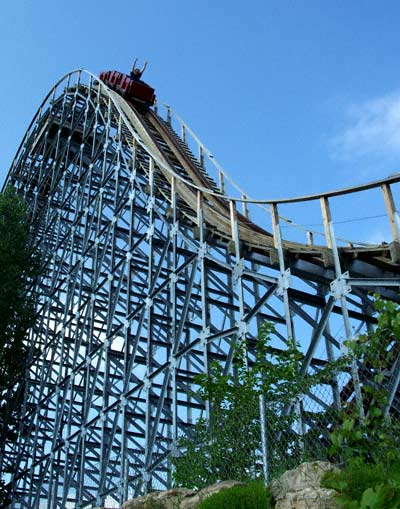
(264, 438)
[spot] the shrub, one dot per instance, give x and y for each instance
(363, 485)
(251, 496)
(369, 445)
(228, 444)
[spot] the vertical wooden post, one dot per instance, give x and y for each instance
(393, 215)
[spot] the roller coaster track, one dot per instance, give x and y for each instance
(149, 273)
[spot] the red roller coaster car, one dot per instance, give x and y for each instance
(131, 87)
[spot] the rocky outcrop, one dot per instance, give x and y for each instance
(179, 498)
(301, 488)
(295, 489)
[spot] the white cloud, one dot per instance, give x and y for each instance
(372, 128)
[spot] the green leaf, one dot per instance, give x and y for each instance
(375, 498)
(358, 435)
(348, 425)
(379, 378)
(375, 412)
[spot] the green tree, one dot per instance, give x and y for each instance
(228, 445)
(369, 445)
(18, 267)
(377, 354)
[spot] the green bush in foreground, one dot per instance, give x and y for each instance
(366, 486)
(369, 446)
(228, 444)
(251, 496)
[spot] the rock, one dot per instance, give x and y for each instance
(301, 488)
(179, 498)
(193, 502)
(295, 489)
(160, 499)
(309, 498)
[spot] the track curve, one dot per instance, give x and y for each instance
(191, 180)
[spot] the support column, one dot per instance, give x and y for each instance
(339, 289)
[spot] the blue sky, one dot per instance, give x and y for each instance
(291, 97)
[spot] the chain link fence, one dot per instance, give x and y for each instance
(260, 425)
(266, 414)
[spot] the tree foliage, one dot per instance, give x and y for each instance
(225, 446)
(18, 267)
(376, 435)
(228, 445)
(369, 445)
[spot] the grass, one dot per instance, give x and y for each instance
(251, 496)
